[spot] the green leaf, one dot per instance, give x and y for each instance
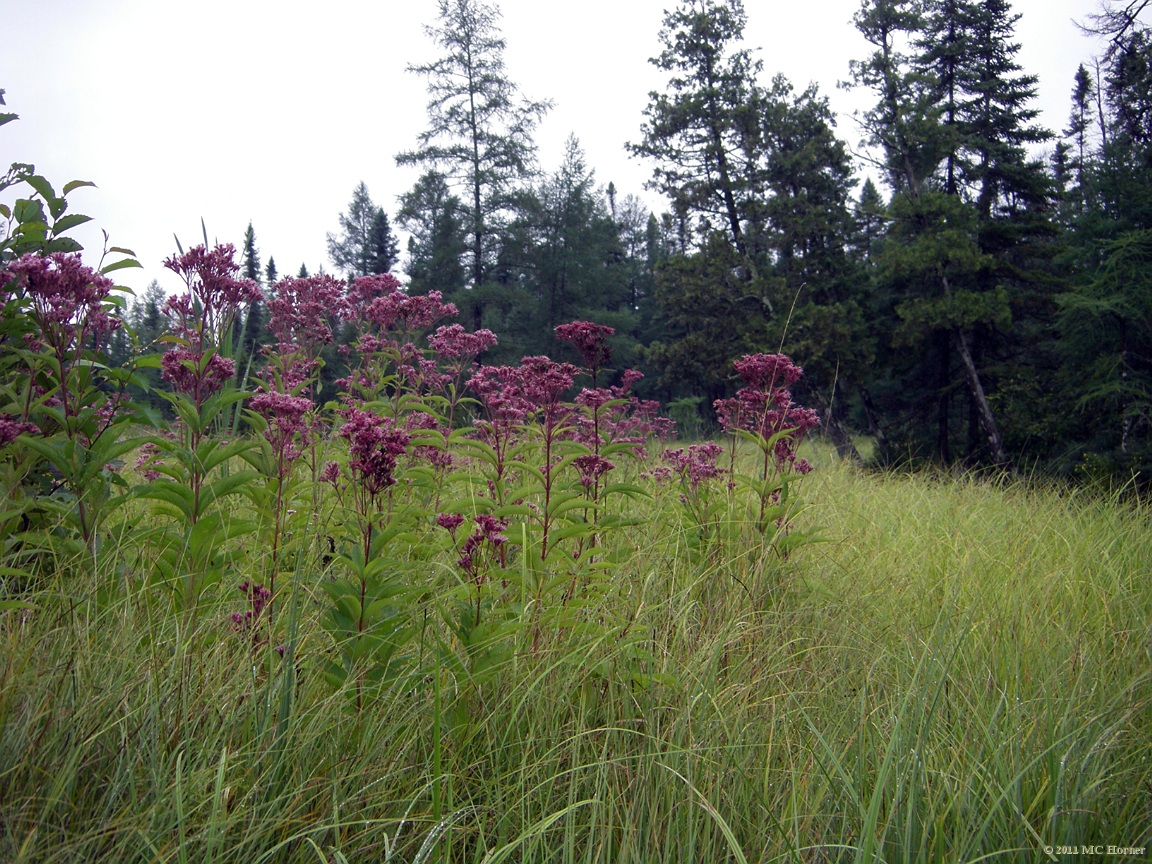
(42, 186)
(169, 492)
(216, 454)
(62, 244)
(224, 486)
(69, 222)
(76, 184)
(149, 361)
(120, 265)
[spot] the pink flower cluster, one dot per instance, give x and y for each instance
(765, 407)
(11, 428)
(545, 382)
(287, 424)
(205, 313)
(258, 598)
(453, 341)
(302, 310)
(450, 522)
(591, 342)
(374, 443)
(592, 468)
(501, 394)
(67, 298)
(379, 300)
(202, 317)
(193, 373)
(486, 537)
(147, 458)
(696, 465)
(630, 421)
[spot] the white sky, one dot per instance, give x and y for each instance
(238, 110)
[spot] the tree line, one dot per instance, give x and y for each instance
(972, 290)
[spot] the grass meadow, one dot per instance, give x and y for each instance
(959, 671)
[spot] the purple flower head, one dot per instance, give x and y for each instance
(595, 398)
(433, 454)
(190, 373)
(697, 464)
(590, 341)
(258, 598)
(204, 315)
(302, 310)
(450, 522)
(364, 290)
(11, 428)
(379, 300)
(592, 468)
(545, 381)
(501, 392)
(147, 458)
(486, 538)
(373, 445)
(331, 473)
(765, 406)
(420, 375)
(67, 299)
(286, 420)
(768, 372)
(453, 341)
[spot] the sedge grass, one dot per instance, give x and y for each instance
(960, 672)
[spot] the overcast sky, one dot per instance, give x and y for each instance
(239, 110)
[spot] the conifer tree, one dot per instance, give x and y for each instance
(479, 134)
(365, 244)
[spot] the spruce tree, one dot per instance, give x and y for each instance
(384, 251)
(365, 244)
(252, 334)
(437, 244)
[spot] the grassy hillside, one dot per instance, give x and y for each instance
(959, 672)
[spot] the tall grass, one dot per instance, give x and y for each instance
(959, 673)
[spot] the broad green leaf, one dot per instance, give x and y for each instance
(30, 211)
(217, 454)
(224, 486)
(62, 244)
(77, 184)
(120, 265)
(66, 223)
(169, 492)
(42, 186)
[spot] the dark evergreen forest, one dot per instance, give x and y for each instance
(966, 288)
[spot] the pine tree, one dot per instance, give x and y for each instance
(271, 276)
(700, 129)
(480, 127)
